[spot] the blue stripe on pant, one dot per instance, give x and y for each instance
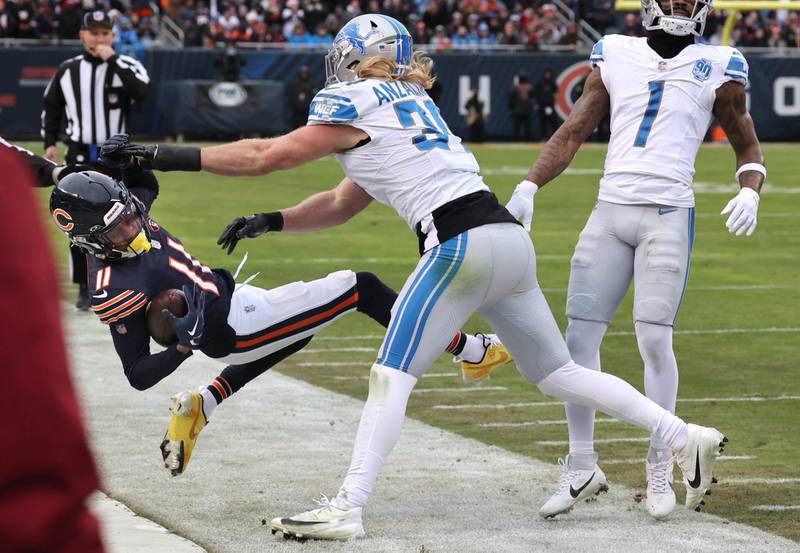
(688, 262)
(408, 323)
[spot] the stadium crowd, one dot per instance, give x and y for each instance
(443, 24)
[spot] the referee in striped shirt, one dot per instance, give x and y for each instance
(93, 94)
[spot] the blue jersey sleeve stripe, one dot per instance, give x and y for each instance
(334, 97)
(597, 51)
(736, 64)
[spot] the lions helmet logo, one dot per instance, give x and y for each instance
(63, 220)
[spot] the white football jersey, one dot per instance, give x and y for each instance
(412, 162)
(660, 112)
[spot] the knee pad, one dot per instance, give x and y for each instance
(659, 290)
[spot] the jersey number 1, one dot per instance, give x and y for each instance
(435, 135)
(656, 92)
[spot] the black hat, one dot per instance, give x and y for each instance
(96, 19)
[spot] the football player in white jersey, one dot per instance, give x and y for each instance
(394, 147)
(662, 92)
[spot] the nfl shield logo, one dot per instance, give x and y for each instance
(702, 70)
(662, 66)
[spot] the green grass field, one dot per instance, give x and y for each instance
(738, 334)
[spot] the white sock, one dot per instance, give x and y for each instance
(660, 376)
(209, 403)
(474, 349)
(583, 341)
(614, 397)
(380, 425)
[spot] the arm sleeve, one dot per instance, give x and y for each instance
(132, 342)
(53, 110)
(133, 75)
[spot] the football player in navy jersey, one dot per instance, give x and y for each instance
(133, 259)
(47, 173)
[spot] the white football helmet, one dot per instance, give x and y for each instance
(363, 37)
(654, 18)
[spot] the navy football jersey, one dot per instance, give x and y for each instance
(121, 290)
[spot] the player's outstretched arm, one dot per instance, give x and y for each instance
(262, 156)
(323, 210)
(326, 209)
(559, 151)
(251, 157)
(730, 108)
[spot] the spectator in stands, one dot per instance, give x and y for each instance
(485, 36)
(420, 34)
(68, 22)
(600, 15)
(435, 14)
(546, 93)
(463, 39)
(633, 25)
(570, 36)
(25, 25)
(440, 41)
(510, 34)
(299, 35)
(520, 103)
(292, 15)
(300, 92)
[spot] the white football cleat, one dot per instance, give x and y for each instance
(328, 522)
(703, 446)
(573, 486)
(660, 495)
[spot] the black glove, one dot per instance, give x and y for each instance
(250, 226)
(77, 168)
(189, 328)
(117, 152)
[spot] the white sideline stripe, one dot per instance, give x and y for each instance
(536, 423)
(716, 287)
(775, 508)
(552, 403)
(335, 364)
(636, 461)
(764, 481)
(427, 375)
(719, 331)
(337, 350)
(603, 441)
(767, 330)
(412, 261)
(462, 389)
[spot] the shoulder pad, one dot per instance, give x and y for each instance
(341, 103)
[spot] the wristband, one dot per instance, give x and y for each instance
(757, 167)
(275, 221)
(176, 158)
(528, 187)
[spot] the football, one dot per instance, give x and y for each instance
(157, 325)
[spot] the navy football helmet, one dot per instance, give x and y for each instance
(99, 215)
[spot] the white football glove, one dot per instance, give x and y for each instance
(521, 203)
(743, 210)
